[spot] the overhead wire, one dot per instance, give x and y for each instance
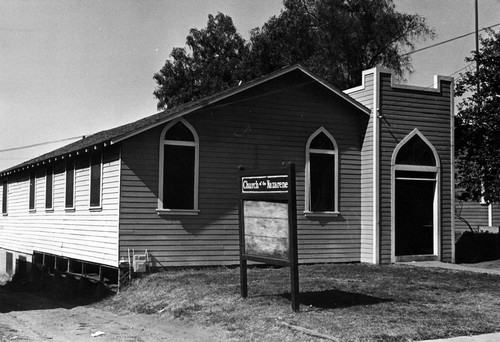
(39, 144)
(408, 53)
(449, 40)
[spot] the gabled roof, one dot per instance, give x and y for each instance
(117, 134)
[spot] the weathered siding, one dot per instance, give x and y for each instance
(365, 95)
(80, 233)
(264, 132)
(403, 109)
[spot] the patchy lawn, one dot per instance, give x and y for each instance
(349, 302)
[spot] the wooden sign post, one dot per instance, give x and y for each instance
(268, 223)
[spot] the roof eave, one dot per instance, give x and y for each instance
(240, 89)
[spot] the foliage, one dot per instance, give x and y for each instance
(335, 39)
(214, 64)
(474, 247)
(338, 39)
(478, 125)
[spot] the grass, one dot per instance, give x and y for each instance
(350, 302)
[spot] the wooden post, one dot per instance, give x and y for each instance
(243, 279)
(294, 260)
(243, 262)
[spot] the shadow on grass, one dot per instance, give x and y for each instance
(335, 299)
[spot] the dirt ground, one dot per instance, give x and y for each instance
(34, 317)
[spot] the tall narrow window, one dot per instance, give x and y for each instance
(49, 186)
(95, 180)
(70, 185)
(32, 195)
(321, 173)
(4, 197)
(179, 168)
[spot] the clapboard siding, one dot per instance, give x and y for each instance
(402, 110)
(80, 233)
(476, 215)
(263, 133)
(365, 95)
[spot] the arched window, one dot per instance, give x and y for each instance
(416, 152)
(178, 191)
(321, 174)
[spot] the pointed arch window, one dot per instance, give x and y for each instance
(321, 174)
(414, 154)
(178, 188)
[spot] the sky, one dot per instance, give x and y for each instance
(76, 67)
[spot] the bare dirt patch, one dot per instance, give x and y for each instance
(34, 316)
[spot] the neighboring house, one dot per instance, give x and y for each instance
(476, 216)
(373, 178)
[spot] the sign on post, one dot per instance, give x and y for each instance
(268, 223)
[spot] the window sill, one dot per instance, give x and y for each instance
(95, 209)
(32, 211)
(5, 214)
(49, 210)
(180, 212)
(69, 210)
(321, 213)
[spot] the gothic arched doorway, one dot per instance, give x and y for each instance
(415, 198)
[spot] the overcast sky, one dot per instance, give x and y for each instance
(72, 68)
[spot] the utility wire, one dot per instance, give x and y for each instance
(449, 40)
(39, 144)
(465, 67)
(408, 53)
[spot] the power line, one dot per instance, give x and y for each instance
(408, 53)
(39, 144)
(465, 67)
(449, 40)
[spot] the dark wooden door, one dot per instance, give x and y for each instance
(414, 217)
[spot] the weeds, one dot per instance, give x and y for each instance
(353, 302)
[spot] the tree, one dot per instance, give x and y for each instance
(338, 39)
(477, 125)
(335, 39)
(215, 62)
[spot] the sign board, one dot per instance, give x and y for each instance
(265, 184)
(266, 229)
(268, 223)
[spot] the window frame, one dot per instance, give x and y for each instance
(5, 197)
(32, 192)
(307, 209)
(166, 211)
(49, 188)
(72, 207)
(92, 206)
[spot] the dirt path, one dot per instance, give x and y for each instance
(32, 317)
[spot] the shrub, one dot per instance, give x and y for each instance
(474, 247)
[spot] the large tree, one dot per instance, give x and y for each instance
(478, 124)
(215, 61)
(336, 39)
